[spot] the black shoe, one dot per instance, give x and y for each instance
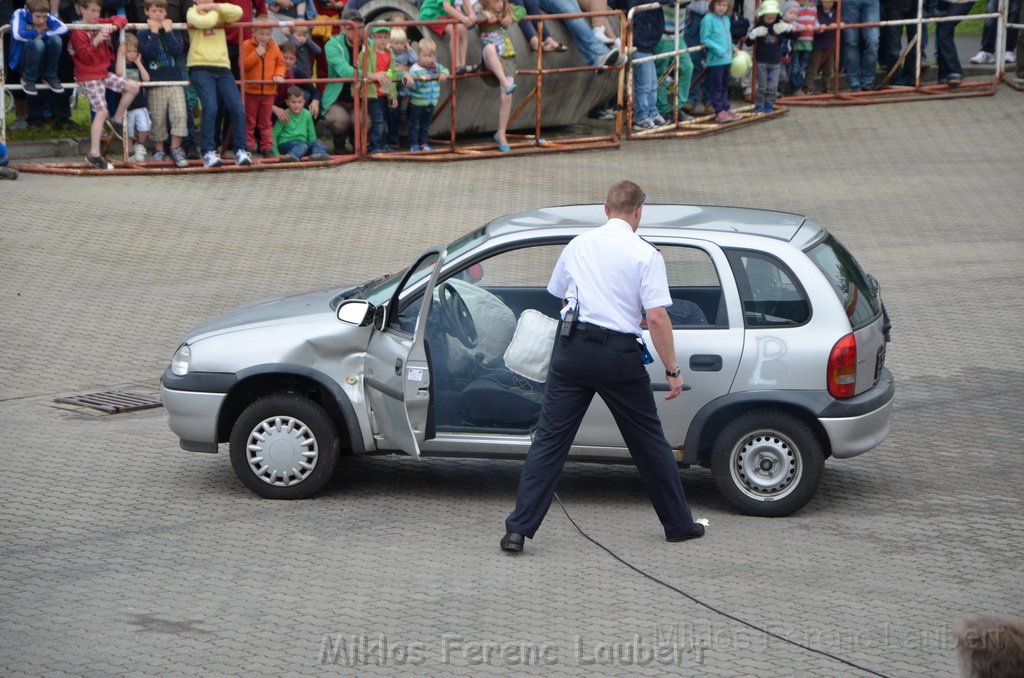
(29, 88)
(697, 533)
(512, 542)
(117, 128)
(99, 162)
(55, 85)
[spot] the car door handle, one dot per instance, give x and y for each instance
(398, 367)
(705, 363)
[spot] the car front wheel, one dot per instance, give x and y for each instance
(767, 463)
(284, 446)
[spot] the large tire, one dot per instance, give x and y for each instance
(767, 462)
(284, 446)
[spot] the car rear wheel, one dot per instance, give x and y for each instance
(284, 446)
(767, 463)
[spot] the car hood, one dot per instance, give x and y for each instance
(288, 308)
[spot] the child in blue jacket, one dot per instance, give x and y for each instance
(716, 36)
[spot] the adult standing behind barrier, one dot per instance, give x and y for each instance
(593, 51)
(860, 45)
(337, 100)
(950, 71)
(894, 10)
(987, 54)
(607, 277)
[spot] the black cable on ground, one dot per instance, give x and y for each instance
(709, 606)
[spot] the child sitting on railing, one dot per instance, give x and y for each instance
(499, 57)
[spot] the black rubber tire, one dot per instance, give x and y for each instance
(288, 407)
(782, 436)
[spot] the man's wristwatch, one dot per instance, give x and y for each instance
(673, 373)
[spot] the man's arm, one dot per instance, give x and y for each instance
(660, 326)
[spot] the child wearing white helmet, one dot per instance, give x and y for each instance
(766, 37)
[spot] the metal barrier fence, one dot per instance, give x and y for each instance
(536, 142)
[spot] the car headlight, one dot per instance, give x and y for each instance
(180, 361)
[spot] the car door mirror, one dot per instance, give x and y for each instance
(356, 312)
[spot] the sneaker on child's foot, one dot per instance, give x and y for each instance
(319, 157)
(600, 34)
(139, 154)
(117, 128)
(1011, 57)
(641, 125)
(414, 148)
(426, 147)
(159, 156)
(178, 156)
(99, 162)
(289, 157)
(29, 87)
(211, 159)
(658, 120)
(243, 157)
(983, 57)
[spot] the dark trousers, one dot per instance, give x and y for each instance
(717, 78)
(949, 60)
(580, 367)
(419, 124)
(893, 45)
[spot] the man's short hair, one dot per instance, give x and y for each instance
(295, 91)
(350, 14)
(624, 197)
(156, 3)
(38, 6)
(990, 647)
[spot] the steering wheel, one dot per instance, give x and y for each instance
(457, 318)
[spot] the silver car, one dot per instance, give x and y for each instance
(780, 334)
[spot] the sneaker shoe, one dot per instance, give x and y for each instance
(55, 85)
(641, 125)
(159, 156)
(610, 58)
(954, 80)
(211, 159)
(20, 123)
(1011, 58)
(600, 34)
(99, 162)
(414, 148)
(319, 157)
(8, 173)
(983, 57)
(178, 156)
(116, 128)
(658, 120)
(139, 154)
(288, 157)
(243, 157)
(426, 147)
(759, 109)
(29, 87)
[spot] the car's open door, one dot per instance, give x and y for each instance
(398, 377)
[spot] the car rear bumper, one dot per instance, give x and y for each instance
(192, 416)
(861, 423)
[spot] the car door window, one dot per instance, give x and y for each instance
(695, 288)
(769, 291)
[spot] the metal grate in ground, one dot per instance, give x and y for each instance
(114, 402)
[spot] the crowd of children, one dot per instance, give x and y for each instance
(792, 46)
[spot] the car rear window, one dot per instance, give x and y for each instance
(850, 283)
(770, 293)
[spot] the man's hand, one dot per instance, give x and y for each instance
(281, 114)
(314, 108)
(675, 387)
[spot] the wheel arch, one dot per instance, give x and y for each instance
(711, 418)
(262, 380)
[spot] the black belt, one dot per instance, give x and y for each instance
(591, 328)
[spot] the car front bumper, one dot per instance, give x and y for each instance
(192, 416)
(861, 423)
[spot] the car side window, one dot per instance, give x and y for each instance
(770, 293)
(695, 287)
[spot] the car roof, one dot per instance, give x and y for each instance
(692, 218)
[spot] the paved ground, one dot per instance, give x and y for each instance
(124, 555)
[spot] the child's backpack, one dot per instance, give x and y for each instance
(740, 24)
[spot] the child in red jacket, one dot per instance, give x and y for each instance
(93, 57)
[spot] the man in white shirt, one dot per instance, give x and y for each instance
(608, 276)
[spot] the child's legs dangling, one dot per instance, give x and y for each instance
(494, 65)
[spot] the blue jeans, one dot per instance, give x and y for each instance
(527, 27)
(39, 58)
(645, 88)
(213, 85)
(419, 124)
(988, 32)
(798, 68)
(377, 109)
(301, 148)
(691, 35)
(860, 45)
(590, 48)
(949, 60)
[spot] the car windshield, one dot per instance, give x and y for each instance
(379, 290)
(848, 280)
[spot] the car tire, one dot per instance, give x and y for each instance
(767, 462)
(284, 446)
